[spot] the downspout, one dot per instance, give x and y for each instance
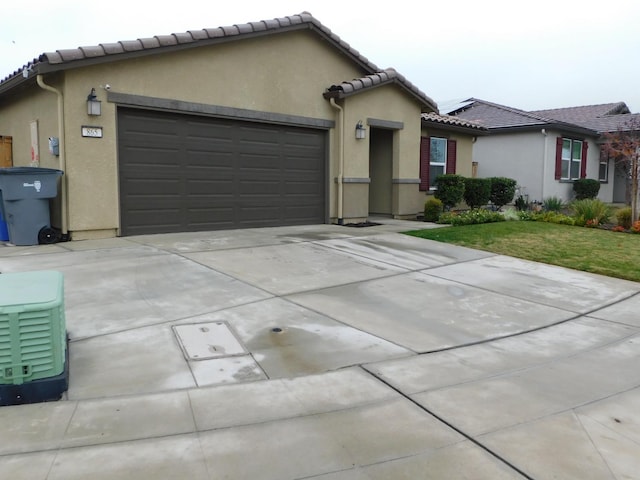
(340, 130)
(61, 145)
(545, 157)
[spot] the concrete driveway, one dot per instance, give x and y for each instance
(331, 353)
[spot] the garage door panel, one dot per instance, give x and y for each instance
(200, 173)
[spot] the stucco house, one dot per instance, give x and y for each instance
(546, 150)
(276, 122)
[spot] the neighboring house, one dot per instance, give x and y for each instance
(604, 118)
(276, 122)
(544, 155)
(446, 146)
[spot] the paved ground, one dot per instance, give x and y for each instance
(363, 354)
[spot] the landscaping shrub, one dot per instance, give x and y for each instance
(503, 190)
(552, 204)
(590, 212)
(624, 218)
(521, 204)
(477, 192)
(432, 210)
(471, 217)
(635, 228)
(586, 188)
(554, 217)
(449, 190)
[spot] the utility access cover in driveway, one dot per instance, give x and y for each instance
(201, 341)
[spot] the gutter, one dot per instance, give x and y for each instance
(340, 130)
(545, 157)
(63, 160)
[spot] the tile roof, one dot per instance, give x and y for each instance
(585, 112)
(70, 58)
(389, 75)
(456, 122)
(607, 117)
(500, 117)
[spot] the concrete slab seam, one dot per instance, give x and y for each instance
(593, 444)
(170, 321)
(427, 272)
(453, 427)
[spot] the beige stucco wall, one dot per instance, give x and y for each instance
(15, 119)
(280, 73)
(16, 116)
(389, 104)
(464, 154)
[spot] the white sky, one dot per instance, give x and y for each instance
(524, 54)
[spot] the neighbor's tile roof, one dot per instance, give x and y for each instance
(500, 117)
(455, 122)
(607, 117)
(70, 58)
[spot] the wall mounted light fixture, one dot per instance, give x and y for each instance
(94, 106)
(361, 130)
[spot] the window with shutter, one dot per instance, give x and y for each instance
(451, 156)
(424, 163)
(571, 159)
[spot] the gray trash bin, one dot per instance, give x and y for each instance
(25, 194)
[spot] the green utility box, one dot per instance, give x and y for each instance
(33, 339)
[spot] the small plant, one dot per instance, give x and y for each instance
(586, 188)
(477, 192)
(526, 215)
(450, 190)
(624, 218)
(552, 204)
(521, 203)
(590, 211)
(510, 214)
(635, 228)
(432, 210)
(502, 191)
(618, 228)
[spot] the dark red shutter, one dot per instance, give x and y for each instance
(425, 158)
(452, 156)
(558, 158)
(583, 162)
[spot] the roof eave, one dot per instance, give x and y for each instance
(556, 126)
(475, 131)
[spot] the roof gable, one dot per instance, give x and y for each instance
(385, 77)
(106, 52)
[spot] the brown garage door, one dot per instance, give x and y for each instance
(181, 173)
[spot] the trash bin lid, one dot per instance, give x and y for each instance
(29, 171)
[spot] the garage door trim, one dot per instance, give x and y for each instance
(180, 106)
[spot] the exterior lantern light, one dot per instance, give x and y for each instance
(361, 131)
(94, 106)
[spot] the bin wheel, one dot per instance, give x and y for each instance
(49, 235)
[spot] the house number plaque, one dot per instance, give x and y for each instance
(93, 132)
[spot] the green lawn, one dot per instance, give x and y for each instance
(588, 249)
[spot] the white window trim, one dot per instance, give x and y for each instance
(438, 164)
